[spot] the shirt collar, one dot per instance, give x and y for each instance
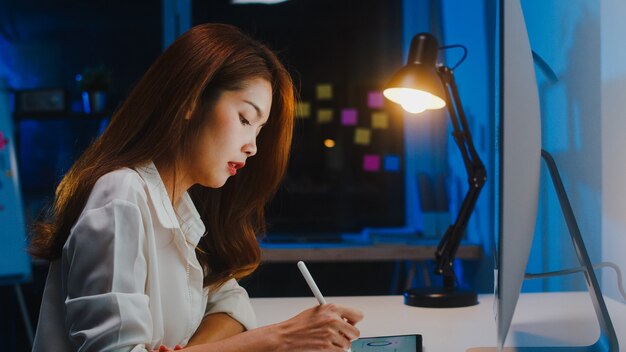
(188, 219)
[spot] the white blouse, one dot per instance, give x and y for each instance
(128, 278)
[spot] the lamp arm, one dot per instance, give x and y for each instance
(477, 175)
(461, 131)
(449, 244)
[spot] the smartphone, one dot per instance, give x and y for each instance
(398, 343)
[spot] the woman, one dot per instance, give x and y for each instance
(152, 227)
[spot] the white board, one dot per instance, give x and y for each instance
(15, 265)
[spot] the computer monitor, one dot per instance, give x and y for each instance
(519, 161)
(520, 156)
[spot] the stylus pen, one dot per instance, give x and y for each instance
(316, 291)
(309, 280)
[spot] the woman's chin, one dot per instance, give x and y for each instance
(214, 183)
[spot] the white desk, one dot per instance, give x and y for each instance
(555, 319)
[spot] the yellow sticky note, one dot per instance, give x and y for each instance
(362, 136)
(303, 110)
(324, 116)
(380, 120)
(324, 91)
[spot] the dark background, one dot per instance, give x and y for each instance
(352, 45)
(355, 49)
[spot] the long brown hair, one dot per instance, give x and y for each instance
(188, 78)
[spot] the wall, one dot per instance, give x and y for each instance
(424, 133)
(463, 22)
(45, 43)
(467, 23)
(566, 35)
(613, 71)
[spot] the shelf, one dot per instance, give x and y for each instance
(344, 252)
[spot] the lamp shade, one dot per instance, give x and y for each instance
(417, 86)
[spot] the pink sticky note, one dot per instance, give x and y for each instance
(348, 117)
(375, 100)
(371, 162)
(3, 141)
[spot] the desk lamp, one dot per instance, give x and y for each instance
(424, 85)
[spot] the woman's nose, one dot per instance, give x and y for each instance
(250, 148)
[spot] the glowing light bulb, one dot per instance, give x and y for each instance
(329, 143)
(413, 108)
(414, 101)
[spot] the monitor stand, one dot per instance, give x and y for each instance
(608, 339)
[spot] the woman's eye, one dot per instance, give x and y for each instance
(243, 120)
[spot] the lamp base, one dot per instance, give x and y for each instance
(434, 297)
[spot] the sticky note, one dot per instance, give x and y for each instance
(324, 116)
(362, 136)
(3, 141)
(380, 119)
(375, 100)
(324, 91)
(391, 162)
(371, 162)
(303, 110)
(348, 117)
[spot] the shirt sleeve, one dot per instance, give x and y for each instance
(105, 275)
(233, 300)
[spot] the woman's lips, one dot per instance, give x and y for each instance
(233, 166)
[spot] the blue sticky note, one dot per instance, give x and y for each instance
(391, 162)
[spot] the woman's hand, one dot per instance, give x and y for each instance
(329, 327)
